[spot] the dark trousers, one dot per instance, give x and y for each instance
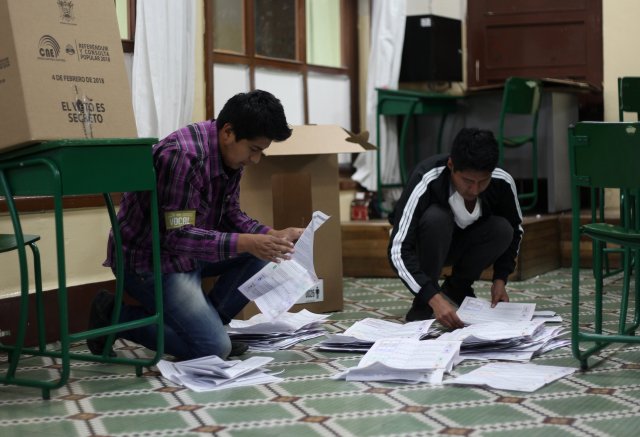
(469, 251)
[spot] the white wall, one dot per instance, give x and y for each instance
(620, 30)
(85, 244)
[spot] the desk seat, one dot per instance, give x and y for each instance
(79, 167)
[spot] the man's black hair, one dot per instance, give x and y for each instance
(255, 114)
(474, 149)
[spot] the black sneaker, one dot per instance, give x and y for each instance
(99, 317)
(419, 311)
(238, 348)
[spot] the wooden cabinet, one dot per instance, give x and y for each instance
(536, 38)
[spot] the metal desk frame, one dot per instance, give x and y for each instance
(77, 167)
(409, 103)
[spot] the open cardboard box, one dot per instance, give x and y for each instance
(62, 72)
(295, 178)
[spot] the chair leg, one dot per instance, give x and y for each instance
(636, 275)
(576, 335)
(528, 200)
(575, 302)
(624, 297)
(533, 194)
(597, 263)
(42, 339)
(15, 351)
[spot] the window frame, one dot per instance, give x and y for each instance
(349, 52)
(129, 43)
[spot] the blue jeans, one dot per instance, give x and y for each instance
(194, 321)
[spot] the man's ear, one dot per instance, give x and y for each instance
(226, 133)
(450, 164)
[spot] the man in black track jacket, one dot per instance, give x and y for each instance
(457, 210)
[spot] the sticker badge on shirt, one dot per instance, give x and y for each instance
(178, 219)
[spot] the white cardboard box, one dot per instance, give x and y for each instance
(295, 178)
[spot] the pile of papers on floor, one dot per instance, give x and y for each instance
(213, 373)
(404, 360)
(508, 332)
(360, 336)
(264, 334)
(513, 341)
(513, 376)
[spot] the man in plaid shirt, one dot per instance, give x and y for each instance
(203, 232)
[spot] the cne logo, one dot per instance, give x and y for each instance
(66, 11)
(48, 47)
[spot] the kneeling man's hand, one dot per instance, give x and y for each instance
(445, 312)
(266, 247)
(289, 234)
(498, 292)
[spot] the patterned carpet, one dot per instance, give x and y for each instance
(110, 400)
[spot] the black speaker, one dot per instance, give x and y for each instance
(432, 49)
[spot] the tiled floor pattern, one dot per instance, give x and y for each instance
(110, 400)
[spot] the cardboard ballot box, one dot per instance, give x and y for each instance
(62, 72)
(295, 178)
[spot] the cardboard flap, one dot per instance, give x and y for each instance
(320, 139)
(362, 138)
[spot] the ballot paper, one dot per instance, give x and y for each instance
(360, 336)
(278, 286)
(513, 376)
(266, 335)
(474, 310)
(287, 322)
(547, 316)
(404, 360)
(494, 331)
(375, 329)
(343, 343)
(515, 341)
(213, 373)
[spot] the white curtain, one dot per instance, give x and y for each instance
(387, 37)
(163, 66)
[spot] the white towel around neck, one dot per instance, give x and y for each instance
(461, 215)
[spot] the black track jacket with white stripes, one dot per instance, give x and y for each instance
(430, 184)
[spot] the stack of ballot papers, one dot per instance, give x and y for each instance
(513, 376)
(404, 360)
(360, 336)
(263, 334)
(513, 341)
(474, 310)
(213, 373)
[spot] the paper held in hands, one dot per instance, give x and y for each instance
(278, 286)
